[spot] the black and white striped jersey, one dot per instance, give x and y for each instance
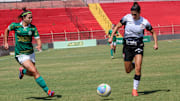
(135, 28)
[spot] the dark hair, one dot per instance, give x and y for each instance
(24, 13)
(136, 7)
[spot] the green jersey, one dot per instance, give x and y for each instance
(114, 37)
(23, 37)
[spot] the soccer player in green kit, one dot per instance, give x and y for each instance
(24, 53)
(113, 43)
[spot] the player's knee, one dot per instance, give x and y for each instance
(29, 73)
(138, 69)
(128, 71)
(34, 72)
(128, 68)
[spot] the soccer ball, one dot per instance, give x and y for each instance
(104, 90)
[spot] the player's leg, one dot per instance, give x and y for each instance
(128, 58)
(28, 64)
(27, 57)
(112, 49)
(138, 62)
(137, 76)
(129, 66)
(22, 71)
(30, 67)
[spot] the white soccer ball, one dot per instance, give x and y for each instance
(104, 90)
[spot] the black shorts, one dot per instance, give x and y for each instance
(130, 50)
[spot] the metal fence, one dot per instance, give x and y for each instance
(93, 34)
(64, 36)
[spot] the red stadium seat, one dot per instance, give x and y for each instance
(158, 13)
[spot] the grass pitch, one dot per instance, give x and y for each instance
(74, 75)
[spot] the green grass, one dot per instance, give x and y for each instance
(74, 74)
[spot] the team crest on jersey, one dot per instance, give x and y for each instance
(25, 29)
(142, 26)
(30, 33)
(18, 31)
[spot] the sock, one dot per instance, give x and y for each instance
(135, 84)
(136, 81)
(111, 52)
(40, 81)
(24, 71)
(114, 50)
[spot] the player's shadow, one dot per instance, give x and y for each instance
(153, 91)
(45, 98)
(107, 99)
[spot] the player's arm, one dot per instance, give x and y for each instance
(11, 27)
(38, 40)
(39, 44)
(155, 39)
(6, 34)
(109, 34)
(117, 33)
(149, 28)
(119, 25)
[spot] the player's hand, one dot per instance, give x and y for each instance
(39, 48)
(6, 46)
(155, 47)
(110, 40)
(107, 36)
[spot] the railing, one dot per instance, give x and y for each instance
(162, 30)
(165, 30)
(65, 36)
(96, 34)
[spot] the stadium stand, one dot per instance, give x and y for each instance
(158, 13)
(57, 20)
(78, 21)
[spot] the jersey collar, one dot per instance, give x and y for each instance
(23, 26)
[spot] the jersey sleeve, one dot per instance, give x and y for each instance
(124, 20)
(12, 26)
(109, 32)
(36, 33)
(148, 26)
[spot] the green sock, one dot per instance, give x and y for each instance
(111, 52)
(24, 71)
(40, 81)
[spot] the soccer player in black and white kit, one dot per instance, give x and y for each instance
(133, 42)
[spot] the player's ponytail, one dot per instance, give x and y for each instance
(24, 9)
(136, 7)
(24, 13)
